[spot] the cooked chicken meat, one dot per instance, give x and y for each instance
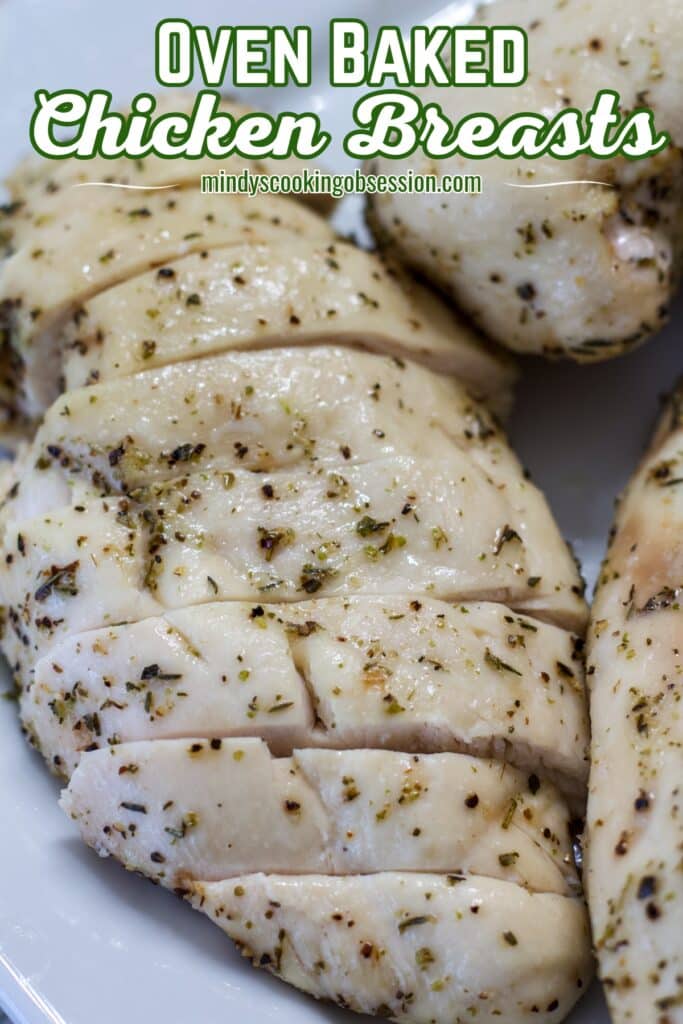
(259, 411)
(278, 605)
(635, 883)
(585, 270)
(391, 526)
(415, 675)
(288, 293)
(411, 947)
(318, 811)
(102, 239)
(43, 191)
(218, 299)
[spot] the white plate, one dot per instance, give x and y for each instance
(81, 941)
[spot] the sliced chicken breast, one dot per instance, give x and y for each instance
(222, 575)
(289, 293)
(635, 826)
(99, 240)
(412, 947)
(585, 270)
(361, 672)
(181, 810)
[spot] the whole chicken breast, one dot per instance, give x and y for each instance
(584, 270)
(635, 827)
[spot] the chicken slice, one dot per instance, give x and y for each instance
(583, 270)
(412, 947)
(393, 526)
(101, 240)
(635, 881)
(401, 525)
(294, 292)
(37, 186)
(261, 411)
(180, 810)
(362, 672)
(265, 410)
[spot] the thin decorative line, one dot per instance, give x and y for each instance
(52, 1015)
(557, 184)
(116, 184)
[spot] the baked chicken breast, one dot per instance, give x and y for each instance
(580, 270)
(635, 826)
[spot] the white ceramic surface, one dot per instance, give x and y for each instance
(81, 942)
